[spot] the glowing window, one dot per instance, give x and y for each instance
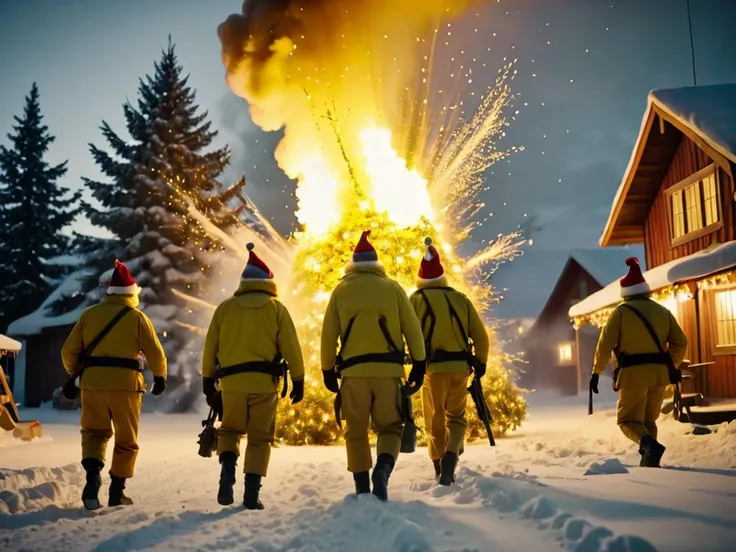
(710, 199)
(726, 318)
(564, 352)
(694, 204)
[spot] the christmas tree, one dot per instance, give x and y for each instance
(34, 209)
(318, 268)
(152, 177)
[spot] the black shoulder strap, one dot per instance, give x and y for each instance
(344, 338)
(456, 316)
(110, 325)
(647, 325)
(386, 335)
(428, 314)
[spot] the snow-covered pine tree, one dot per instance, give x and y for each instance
(34, 209)
(147, 218)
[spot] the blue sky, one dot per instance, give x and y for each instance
(585, 68)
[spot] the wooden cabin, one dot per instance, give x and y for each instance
(38, 370)
(556, 355)
(677, 199)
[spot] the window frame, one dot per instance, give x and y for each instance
(681, 186)
(572, 360)
(716, 349)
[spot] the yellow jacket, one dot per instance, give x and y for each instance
(625, 333)
(447, 335)
(132, 335)
(251, 326)
(367, 293)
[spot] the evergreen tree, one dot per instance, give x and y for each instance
(147, 216)
(34, 209)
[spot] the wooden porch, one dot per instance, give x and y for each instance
(705, 410)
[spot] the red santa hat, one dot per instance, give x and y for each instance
(255, 268)
(430, 268)
(634, 283)
(364, 253)
(122, 283)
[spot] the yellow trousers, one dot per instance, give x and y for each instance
(366, 402)
(638, 410)
(444, 400)
(254, 415)
(103, 412)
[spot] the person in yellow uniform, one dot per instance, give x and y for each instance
(648, 345)
(448, 320)
(371, 316)
(249, 338)
(107, 340)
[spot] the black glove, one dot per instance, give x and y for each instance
(416, 376)
(159, 385)
(208, 388)
(212, 395)
(479, 370)
(594, 383)
(297, 391)
(676, 376)
(215, 403)
(330, 377)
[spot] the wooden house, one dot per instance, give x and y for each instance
(537, 289)
(38, 370)
(555, 353)
(677, 199)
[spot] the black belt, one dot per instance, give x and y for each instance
(257, 366)
(625, 360)
(439, 355)
(276, 370)
(395, 357)
(112, 362)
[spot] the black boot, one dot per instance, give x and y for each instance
(117, 492)
(90, 498)
(228, 461)
(651, 451)
(447, 468)
(252, 488)
(362, 482)
(381, 473)
(437, 469)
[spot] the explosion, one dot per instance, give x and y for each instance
(372, 144)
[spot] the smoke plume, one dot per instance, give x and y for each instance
(324, 70)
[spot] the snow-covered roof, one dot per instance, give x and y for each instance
(708, 111)
(697, 265)
(66, 260)
(7, 344)
(531, 278)
(41, 318)
(526, 282)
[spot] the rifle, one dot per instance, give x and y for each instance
(590, 401)
(484, 415)
(409, 435)
(208, 438)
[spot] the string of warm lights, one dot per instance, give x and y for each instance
(668, 296)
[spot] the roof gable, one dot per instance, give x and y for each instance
(602, 265)
(706, 115)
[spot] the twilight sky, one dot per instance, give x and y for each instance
(585, 67)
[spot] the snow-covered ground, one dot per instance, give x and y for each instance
(564, 481)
